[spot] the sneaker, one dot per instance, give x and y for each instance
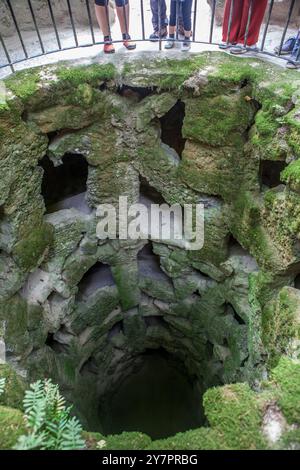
(108, 48)
(293, 65)
(186, 46)
(155, 36)
(239, 49)
(225, 45)
(287, 47)
(170, 43)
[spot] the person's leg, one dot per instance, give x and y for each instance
(172, 25)
(163, 14)
(154, 10)
(257, 16)
(187, 24)
(123, 16)
(155, 19)
(294, 62)
(237, 10)
(101, 8)
(102, 16)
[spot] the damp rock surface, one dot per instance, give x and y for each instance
(84, 311)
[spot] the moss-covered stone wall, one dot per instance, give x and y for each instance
(228, 311)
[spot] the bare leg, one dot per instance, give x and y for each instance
(123, 16)
(123, 20)
(103, 21)
(172, 29)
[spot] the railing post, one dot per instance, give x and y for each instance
(125, 18)
(107, 17)
(267, 26)
(143, 20)
(23, 55)
(230, 21)
(54, 24)
(177, 18)
(36, 26)
(17, 28)
(286, 26)
(159, 24)
(90, 21)
(72, 23)
(213, 13)
(9, 62)
(248, 22)
(194, 20)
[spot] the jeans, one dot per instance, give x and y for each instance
(295, 56)
(185, 9)
(155, 15)
(239, 23)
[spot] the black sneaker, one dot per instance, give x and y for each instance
(155, 36)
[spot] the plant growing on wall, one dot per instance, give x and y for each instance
(50, 425)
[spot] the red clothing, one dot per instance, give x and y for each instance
(240, 19)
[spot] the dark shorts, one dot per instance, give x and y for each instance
(119, 3)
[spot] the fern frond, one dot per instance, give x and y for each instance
(72, 436)
(31, 442)
(2, 385)
(48, 420)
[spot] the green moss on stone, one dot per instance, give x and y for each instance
(24, 84)
(163, 73)
(29, 251)
(291, 175)
(234, 412)
(127, 279)
(14, 388)
(92, 74)
(286, 376)
(230, 116)
(124, 441)
(12, 426)
(290, 440)
(280, 324)
(196, 439)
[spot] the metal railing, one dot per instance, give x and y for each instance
(18, 33)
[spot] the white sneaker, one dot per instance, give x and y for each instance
(225, 45)
(170, 43)
(186, 45)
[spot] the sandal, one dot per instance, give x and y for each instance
(130, 45)
(108, 48)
